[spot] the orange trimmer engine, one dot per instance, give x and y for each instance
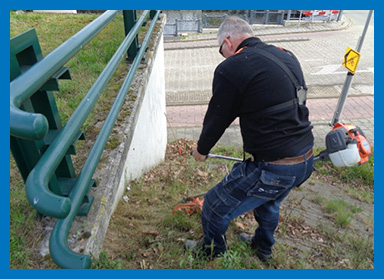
(346, 146)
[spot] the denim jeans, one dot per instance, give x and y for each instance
(260, 186)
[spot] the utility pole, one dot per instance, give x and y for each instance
(348, 80)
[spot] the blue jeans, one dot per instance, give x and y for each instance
(250, 185)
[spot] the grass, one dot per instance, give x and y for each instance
(52, 30)
(363, 174)
(104, 262)
(152, 236)
(346, 250)
(85, 67)
(358, 180)
(144, 233)
(24, 224)
(338, 209)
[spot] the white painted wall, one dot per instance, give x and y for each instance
(149, 140)
(150, 137)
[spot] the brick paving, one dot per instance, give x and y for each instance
(186, 121)
(320, 110)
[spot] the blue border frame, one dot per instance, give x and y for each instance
(377, 272)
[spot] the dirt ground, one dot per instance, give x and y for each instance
(300, 217)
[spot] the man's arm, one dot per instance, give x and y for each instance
(222, 110)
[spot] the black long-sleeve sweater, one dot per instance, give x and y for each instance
(245, 84)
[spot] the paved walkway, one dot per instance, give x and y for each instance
(185, 121)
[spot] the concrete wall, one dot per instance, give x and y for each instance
(149, 141)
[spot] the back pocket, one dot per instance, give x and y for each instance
(271, 185)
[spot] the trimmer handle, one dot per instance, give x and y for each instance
(222, 157)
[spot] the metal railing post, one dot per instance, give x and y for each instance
(251, 17)
(289, 15)
(59, 248)
(282, 17)
(34, 125)
(65, 206)
(130, 18)
(152, 14)
(266, 17)
(25, 52)
(340, 15)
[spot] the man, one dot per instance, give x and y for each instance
(275, 130)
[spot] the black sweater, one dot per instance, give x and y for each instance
(243, 85)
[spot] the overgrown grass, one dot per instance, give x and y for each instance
(344, 250)
(153, 235)
(144, 233)
(359, 174)
(52, 30)
(358, 180)
(338, 209)
(105, 262)
(24, 224)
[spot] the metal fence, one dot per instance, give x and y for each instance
(180, 26)
(215, 18)
(42, 146)
(251, 16)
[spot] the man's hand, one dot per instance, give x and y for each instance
(198, 157)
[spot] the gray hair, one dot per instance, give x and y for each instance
(234, 27)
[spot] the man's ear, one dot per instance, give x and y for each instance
(229, 44)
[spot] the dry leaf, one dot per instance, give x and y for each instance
(201, 173)
(239, 225)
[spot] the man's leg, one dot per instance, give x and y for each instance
(267, 216)
(226, 201)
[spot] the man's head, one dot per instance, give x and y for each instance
(231, 33)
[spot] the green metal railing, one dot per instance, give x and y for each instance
(34, 126)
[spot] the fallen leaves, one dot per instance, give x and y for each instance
(146, 228)
(180, 148)
(301, 231)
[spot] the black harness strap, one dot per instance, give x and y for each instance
(281, 64)
(301, 91)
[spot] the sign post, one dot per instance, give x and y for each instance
(350, 61)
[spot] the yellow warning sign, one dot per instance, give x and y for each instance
(351, 59)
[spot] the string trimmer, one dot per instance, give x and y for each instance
(346, 146)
